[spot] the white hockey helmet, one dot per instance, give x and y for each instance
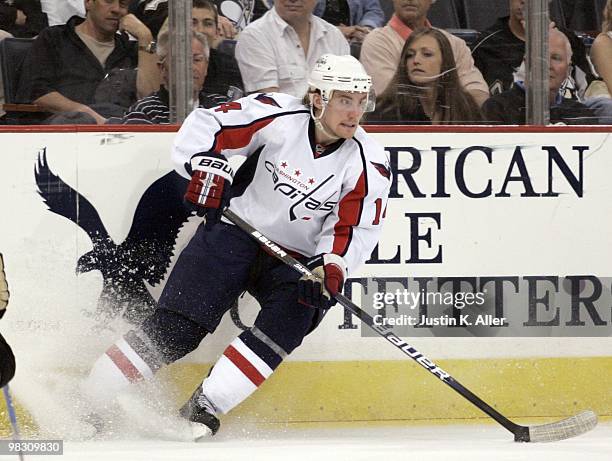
(343, 73)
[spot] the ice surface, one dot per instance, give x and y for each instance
(430, 443)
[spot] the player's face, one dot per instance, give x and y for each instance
(343, 113)
(291, 10)
(424, 60)
(106, 14)
(203, 21)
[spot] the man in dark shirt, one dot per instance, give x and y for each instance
(499, 51)
(508, 108)
(68, 62)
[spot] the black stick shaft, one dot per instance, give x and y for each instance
(383, 331)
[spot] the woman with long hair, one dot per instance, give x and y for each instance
(425, 87)
(601, 51)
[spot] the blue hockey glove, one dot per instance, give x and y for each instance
(208, 192)
(327, 279)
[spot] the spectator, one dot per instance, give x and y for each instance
(500, 49)
(278, 51)
(22, 18)
(354, 18)
(205, 19)
(425, 87)
(381, 50)
(223, 72)
(509, 107)
(59, 12)
(597, 95)
(601, 51)
(153, 14)
(68, 62)
(155, 109)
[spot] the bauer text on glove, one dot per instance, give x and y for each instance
(208, 191)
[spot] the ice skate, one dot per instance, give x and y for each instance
(201, 414)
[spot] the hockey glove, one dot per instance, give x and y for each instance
(4, 293)
(7, 363)
(327, 279)
(208, 192)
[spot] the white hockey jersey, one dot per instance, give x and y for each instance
(307, 198)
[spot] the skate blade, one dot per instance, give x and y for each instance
(200, 432)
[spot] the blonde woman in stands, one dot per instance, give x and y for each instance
(601, 52)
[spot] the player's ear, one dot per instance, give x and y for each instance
(316, 101)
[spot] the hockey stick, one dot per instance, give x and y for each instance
(12, 417)
(563, 429)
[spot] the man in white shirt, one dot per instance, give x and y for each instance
(58, 13)
(277, 52)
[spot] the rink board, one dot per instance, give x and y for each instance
(399, 390)
(527, 390)
(537, 216)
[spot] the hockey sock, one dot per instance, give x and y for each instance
(245, 364)
(172, 334)
(129, 360)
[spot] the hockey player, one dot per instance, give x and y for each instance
(314, 182)
(7, 359)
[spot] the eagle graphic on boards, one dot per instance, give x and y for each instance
(142, 258)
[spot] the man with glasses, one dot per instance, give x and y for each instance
(155, 109)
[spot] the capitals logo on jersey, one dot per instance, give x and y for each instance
(302, 193)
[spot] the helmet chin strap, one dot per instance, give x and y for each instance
(319, 123)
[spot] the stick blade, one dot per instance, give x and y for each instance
(564, 429)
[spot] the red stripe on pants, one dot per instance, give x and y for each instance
(123, 363)
(244, 365)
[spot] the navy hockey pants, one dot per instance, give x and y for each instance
(215, 268)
